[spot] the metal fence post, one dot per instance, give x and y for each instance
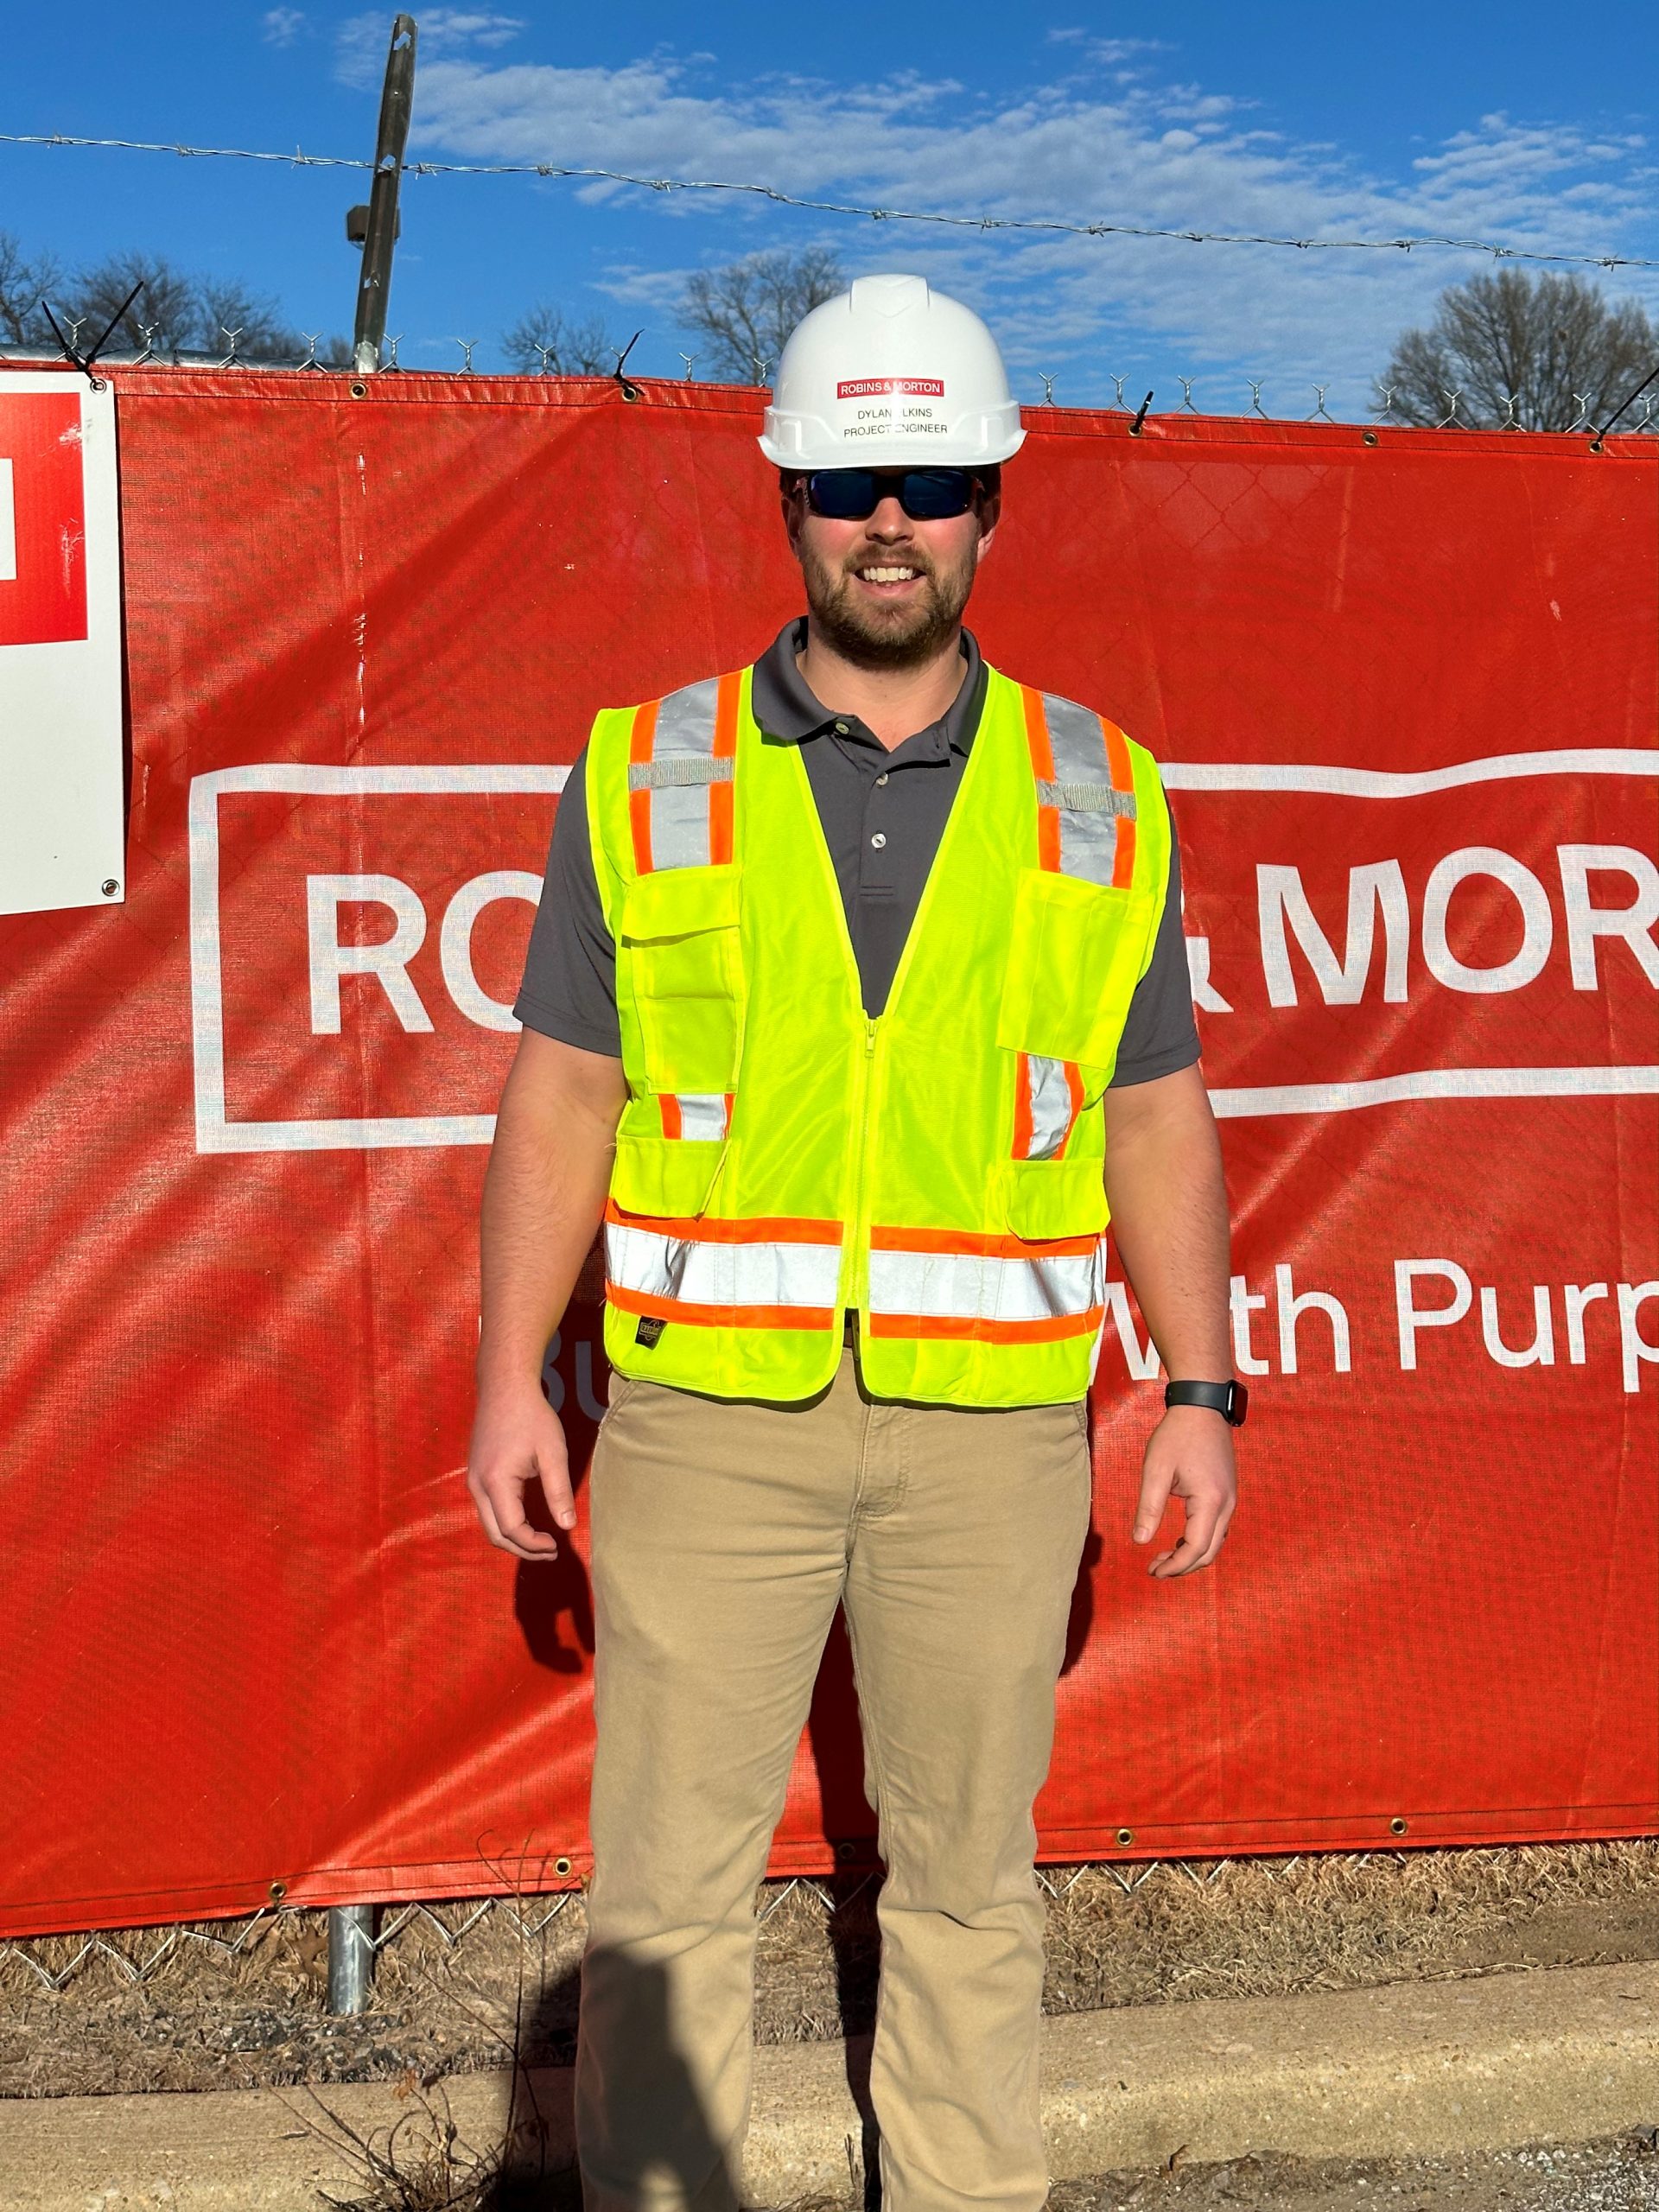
(351, 1957)
(380, 224)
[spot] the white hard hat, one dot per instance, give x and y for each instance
(891, 375)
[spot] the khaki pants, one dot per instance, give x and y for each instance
(723, 1537)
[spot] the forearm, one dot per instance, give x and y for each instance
(543, 1195)
(1168, 1198)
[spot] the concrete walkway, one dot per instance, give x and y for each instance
(1549, 2055)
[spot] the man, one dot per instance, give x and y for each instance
(857, 990)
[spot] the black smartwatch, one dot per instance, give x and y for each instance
(1230, 1400)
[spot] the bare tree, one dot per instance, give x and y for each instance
(225, 305)
(166, 304)
(745, 311)
(24, 278)
(179, 312)
(1548, 353)
(546, 338)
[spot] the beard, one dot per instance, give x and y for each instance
(902, 635)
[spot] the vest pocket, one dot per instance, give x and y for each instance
(679, 936)
(1076, 951)
(670, 1177)
(1043, 1199)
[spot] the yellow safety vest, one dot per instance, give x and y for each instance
(783, 1156)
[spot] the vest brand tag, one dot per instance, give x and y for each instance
(649, 1329)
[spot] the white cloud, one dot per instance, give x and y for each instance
(1103, 144)
(281, 26)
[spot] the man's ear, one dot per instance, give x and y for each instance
(990, 513)
(792, 506)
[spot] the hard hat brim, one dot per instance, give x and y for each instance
(893, 453)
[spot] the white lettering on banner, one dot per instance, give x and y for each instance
(1538, 925)
(1541, 1352)
(455, 942)
(1634, 1350)
(1205, 996)
(1585, 923)
(1284, 912)
(1428, 1294)
(1413, 1316)
(1242, 1303)
(1605, 929)
(1281, 898)
(1291, 1309)
(1575, 1297)
(387, 961)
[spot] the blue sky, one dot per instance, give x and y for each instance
(1484, 120)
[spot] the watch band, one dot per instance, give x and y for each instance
(1230, 1400)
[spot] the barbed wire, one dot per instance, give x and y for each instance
(299, 159)
(1380, 411)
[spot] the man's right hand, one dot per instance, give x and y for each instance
(544, 1194)
(518, 1441)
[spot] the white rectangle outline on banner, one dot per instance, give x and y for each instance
(215, 1133)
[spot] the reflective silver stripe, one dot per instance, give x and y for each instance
(1051, 1105)
(678, 776)
(703, 1114)
(969, 1286)
(659, 1266)
(1088, 821)
(655, 775)
(1083, 798)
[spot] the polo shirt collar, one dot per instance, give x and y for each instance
(787, 711)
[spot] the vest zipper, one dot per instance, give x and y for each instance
(858, 1228)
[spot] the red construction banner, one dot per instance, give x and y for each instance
(1405, 687)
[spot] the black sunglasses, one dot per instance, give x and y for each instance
(926, 494)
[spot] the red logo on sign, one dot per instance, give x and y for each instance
(42, 519)
(873, 387)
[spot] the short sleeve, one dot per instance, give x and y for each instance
(1160, 1037)
(569, 990)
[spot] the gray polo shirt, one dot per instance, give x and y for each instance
(883, 814)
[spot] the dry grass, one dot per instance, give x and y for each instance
(1258, 1928)
(450, 1985)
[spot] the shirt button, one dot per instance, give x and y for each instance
(878, 840)
(882, 777)
(844, 729)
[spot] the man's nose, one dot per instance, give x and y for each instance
(889, 519)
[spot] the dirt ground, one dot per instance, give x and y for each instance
(449, 2001)
(1615, 2175)
(1611, 2177)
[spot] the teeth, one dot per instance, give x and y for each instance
(887, 575)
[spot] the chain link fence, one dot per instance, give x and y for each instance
(135, 1957)
(139, 1956)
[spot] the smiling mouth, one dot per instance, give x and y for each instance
(889, 575)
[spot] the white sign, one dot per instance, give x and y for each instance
(62, 842)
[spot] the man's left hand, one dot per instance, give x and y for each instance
(1190, 1456)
